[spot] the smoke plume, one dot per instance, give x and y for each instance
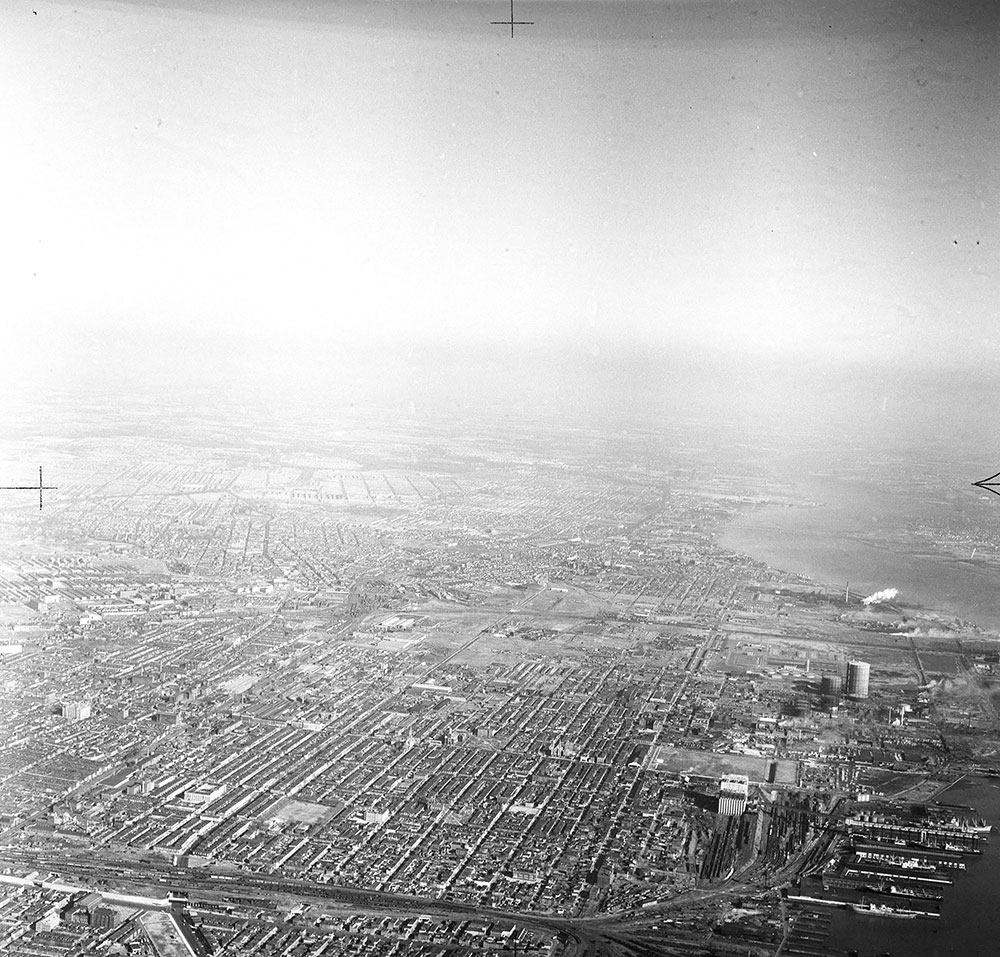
(887, 594)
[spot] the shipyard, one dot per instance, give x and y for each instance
(889, 860)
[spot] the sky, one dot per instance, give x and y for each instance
(797, 180)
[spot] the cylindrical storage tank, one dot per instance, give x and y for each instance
(831, 684)
(858, 673)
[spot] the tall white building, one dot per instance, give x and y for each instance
(76, 710)
(734, 789)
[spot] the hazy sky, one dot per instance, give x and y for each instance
(790, 179)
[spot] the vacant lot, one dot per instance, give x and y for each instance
(709, 764)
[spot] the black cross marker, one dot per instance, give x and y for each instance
(513, 23)
(989, 483)
(31, 488)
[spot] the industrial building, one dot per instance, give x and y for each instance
(76, 710)
(733, 792)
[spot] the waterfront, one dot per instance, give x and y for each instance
(856, 532)
(970, 912)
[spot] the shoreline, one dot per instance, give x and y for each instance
(811, 544)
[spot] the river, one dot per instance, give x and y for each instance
(856, 532)
(970, 912)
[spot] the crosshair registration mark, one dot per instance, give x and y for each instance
(512, 22)
(990, 484)
(31, 488)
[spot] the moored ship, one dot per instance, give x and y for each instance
(882, 910)
(887, 910)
